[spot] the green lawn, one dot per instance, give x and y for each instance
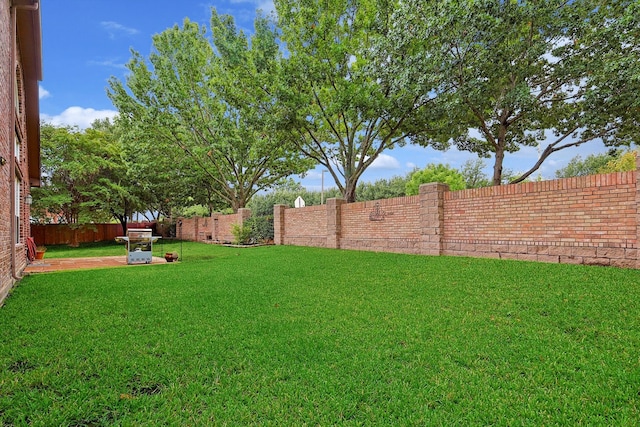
(114, 248)
(305, 336)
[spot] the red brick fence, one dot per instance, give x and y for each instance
(584, 220)
(214, 229)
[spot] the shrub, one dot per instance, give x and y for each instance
(261, 228)
(241, 234)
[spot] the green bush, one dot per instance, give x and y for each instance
(241, 234)
(435, 173)
(261, 228)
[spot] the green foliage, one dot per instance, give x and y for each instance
(241, 233)
(261, 228)
(473, 175)
(514, 74)
(611, 161)
(338, 112)
(591, 165)
(195, 210)
(382, 189)
(610, 42)
(435, 173)
(286, 194)
(267, 336)
(625, 161)
(209, 104)
(85, 176)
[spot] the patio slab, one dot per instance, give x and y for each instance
(60, 264)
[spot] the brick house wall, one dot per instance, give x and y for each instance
(22, 41)
(6, 138)
(586, 220)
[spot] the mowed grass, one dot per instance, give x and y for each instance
(306, 336)
(113, 248)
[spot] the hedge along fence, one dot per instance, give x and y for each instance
(585, 220)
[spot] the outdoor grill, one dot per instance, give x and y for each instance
(139, 243)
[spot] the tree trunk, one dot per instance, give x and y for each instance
(350, 192)
(123, 224)
(497, 166)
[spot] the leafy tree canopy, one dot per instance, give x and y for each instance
(513, 74)
(84, 176)
(337, 112)
(210, 100)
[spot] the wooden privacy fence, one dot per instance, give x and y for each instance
(66, 234)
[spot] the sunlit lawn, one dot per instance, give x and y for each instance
(302, 336)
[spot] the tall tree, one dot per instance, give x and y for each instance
(118, 190)
(85, 176)
(212, 100)
(613, 40)
(513, 73)
(335, 110)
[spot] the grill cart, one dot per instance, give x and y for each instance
(139, 245)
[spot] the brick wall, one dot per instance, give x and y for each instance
(216, 228)
(391, 225)
(6, 138)
(189, 228)
(305, 226)
(590, 219)
(10, 124)
(585, 220)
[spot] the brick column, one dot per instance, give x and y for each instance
(637, 212)
(215, 233)
(243, 215)
(432, 217)
(278, 224)
(334, 222)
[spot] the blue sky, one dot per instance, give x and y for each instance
(86, 42)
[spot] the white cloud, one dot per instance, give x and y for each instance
(266, 6)
(78, 116)
(114, 29)
(109, 63)
(43, 93)
(385, 161)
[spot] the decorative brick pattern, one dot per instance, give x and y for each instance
(391, 225)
